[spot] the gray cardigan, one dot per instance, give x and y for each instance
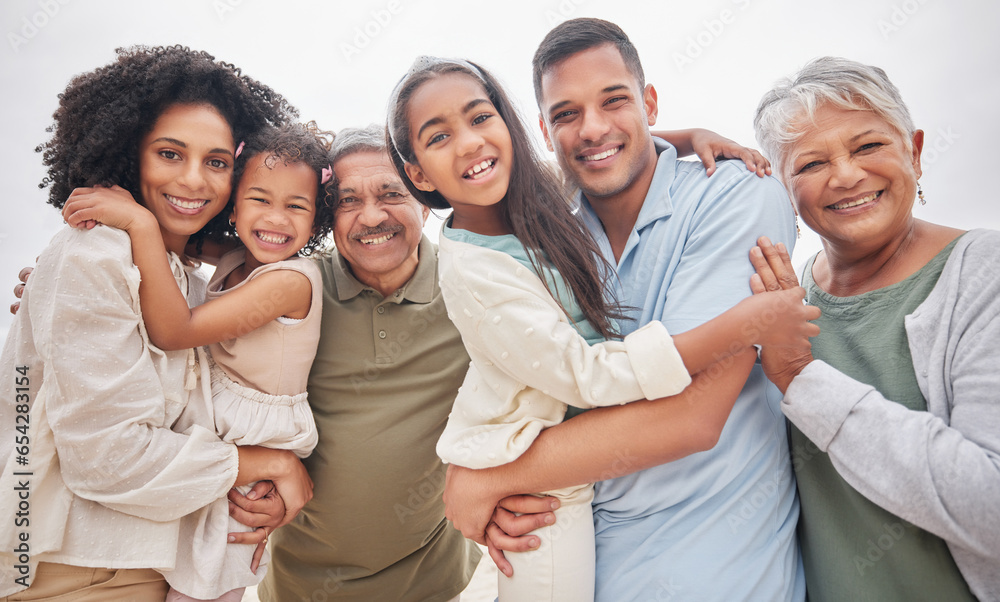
(939, 469)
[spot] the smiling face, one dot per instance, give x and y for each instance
(596, 119)
(275, 208)
(462, 147)
(852, 178)
(378, 224)
(185, 170)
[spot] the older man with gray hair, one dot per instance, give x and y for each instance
(386, 372)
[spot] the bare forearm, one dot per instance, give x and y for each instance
(715, 340)
(164, 308)
(679, 139)
(610, 442)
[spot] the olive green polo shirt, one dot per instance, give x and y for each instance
(381, 387)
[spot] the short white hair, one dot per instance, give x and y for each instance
(841, 82)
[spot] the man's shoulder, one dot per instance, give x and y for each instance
(731, 177)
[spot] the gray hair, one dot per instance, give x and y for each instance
(348, 141)
(841, 82)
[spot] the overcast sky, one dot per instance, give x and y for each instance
(710, 61)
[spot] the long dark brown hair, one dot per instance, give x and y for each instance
(535, 207)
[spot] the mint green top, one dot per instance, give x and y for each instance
(509, 244)
(851, 548)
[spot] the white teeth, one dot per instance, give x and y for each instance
(477, 169)
(376, 241)
(185, 204)
(270, 238)
(867, 199)
(604, 155)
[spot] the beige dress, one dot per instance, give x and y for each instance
(259, 398)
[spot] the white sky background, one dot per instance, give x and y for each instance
(710, 61)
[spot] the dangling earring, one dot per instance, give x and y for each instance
(920, 194)
(798, 231)
(232, 224)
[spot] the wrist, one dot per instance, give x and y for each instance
(144, 224)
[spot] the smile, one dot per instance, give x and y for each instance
(602, 155)
(857, 202)
(375, 236)
(186, 203)
(479, 170)
(274, 239)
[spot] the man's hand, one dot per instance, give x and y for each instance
(514, 519)
(468, 501)
(262, 508)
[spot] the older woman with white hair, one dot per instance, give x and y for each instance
(896, 422)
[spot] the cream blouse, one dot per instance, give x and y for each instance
(114, 442)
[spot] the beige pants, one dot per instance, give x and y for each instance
(63, 582)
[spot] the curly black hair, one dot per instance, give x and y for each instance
(295, 143)
(104, 114)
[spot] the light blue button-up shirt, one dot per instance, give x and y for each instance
(717, 525)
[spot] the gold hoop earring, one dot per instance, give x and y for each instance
(920, 194)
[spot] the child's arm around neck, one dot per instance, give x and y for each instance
(170, 323)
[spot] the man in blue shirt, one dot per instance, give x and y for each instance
(717, 523)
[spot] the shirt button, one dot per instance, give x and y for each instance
(380, 309)
(381, 334)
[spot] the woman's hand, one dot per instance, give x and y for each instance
(19, 288)
(282, 468)
(782, 358)
(114, 206)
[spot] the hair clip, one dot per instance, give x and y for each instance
(239, 149)
(326, 175)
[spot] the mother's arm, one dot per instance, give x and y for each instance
(940, 473)
(105, 402)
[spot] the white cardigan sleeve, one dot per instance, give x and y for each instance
(509, 320)
(103, 395)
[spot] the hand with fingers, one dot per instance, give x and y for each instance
(514, 519)
(710, 146)
(782, 360)
(19, 288)
(111, 206)
(261, 508)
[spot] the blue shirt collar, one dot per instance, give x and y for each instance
(655, 206)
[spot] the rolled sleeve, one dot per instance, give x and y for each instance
(506, 314)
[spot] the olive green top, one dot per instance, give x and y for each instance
(851, 548)
(381, 387)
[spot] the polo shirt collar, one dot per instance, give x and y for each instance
(657, 203)
(419, 288)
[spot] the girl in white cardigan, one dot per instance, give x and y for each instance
(524, 284)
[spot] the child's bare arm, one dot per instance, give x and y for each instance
(710, 146)
(171, 324)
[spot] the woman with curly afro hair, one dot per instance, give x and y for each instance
(110, 439)
(261, 322)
